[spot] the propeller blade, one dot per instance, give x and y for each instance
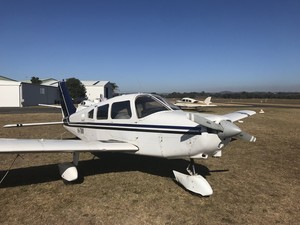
(246, 137)
(204, 122)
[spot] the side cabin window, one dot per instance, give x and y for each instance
(91, 114)
(147, 105)
(121, 110)
(102, 112)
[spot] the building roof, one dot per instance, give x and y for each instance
(94, 83)
(50, 82)
(6, 78)
(9, 83)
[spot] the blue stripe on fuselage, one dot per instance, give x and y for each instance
(137, 127)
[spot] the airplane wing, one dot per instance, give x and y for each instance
(234, 116)
(43, 145)
(239, 115)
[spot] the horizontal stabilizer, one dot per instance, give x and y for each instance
(31, 124)
(51, 106)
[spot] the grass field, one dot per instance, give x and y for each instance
(253, 183)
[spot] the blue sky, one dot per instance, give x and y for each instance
(155, 45)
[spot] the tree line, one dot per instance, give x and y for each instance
(235, 95)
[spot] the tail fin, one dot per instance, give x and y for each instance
(207, 100)
(67, 105)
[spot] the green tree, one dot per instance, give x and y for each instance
(115, 87)
(35, 80)
(76, 88)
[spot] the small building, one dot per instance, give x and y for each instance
(34, 94)
(10, 93)
(18, 94)
(98, 89)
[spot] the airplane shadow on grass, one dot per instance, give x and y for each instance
(106, 163)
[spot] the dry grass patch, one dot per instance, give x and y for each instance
(253, 183)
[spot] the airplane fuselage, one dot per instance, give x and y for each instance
(147, 121)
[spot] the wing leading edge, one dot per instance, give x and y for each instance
(234, 116)
(45, 145)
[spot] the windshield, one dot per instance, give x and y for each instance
(169, 104)
(146, 105)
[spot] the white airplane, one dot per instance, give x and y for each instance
(142, 124)
(193, 103)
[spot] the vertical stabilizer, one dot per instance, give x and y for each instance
(207, 101)
(67, 105)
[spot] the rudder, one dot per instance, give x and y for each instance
(67, 105)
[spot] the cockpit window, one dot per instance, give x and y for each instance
(121, 110)
(147, 105)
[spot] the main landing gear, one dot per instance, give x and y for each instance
(68, 170)
(193, 182)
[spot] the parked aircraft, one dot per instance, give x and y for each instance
(143, 124)
(193, 103)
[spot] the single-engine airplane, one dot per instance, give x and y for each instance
(189, 103)
(143, 124)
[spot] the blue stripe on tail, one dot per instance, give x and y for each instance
(67, 105)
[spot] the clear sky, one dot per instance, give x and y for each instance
(155, 45)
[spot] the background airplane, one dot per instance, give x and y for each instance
(193, 103)
(142, 124)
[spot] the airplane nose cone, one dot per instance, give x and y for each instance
(230, 130)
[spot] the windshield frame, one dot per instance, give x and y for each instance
(166, 103)
(146, 108)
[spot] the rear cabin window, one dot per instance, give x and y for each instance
(121, 110)
(91, 114)
(102, 112)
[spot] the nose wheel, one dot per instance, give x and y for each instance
(193, 182)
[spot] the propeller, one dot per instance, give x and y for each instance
(226, 129)
(204, 122)
(245, 136)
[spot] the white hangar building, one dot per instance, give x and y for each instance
(98, 89)
(18, 94)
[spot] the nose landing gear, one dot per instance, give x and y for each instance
(193, 182)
